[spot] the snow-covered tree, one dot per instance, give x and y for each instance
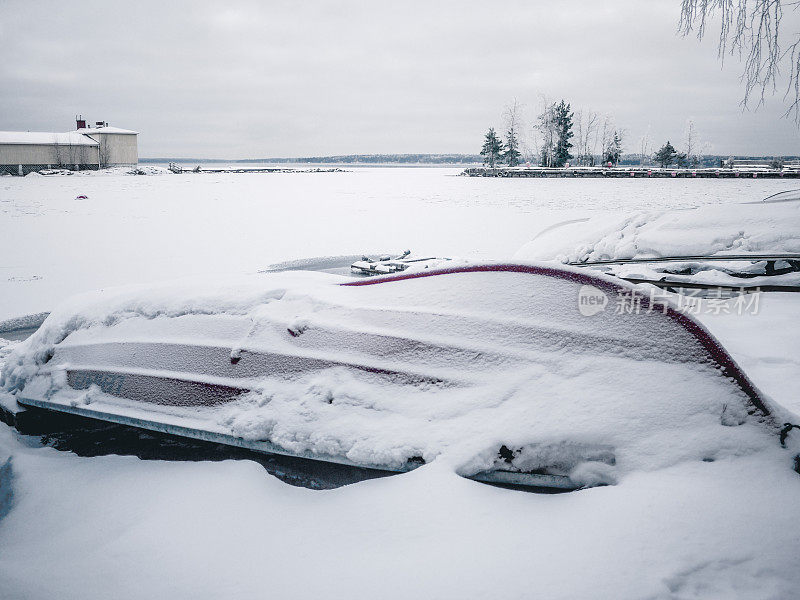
(612, 140)
(666, 155)
(585, 126)
(511, 155)
(613, 151)
(547, 129)
(563, 127)
(644, 146)
(492, 148)
(513, 118)
(690, 142)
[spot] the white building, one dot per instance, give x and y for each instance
(22, 152)
(117, 147)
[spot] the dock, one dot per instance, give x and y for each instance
(640, 172)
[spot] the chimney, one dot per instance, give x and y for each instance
(81, 122)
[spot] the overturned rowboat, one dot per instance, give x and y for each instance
(518, 374)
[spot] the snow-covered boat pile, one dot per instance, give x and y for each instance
(748, 245)
(521, 373)
(386, 264)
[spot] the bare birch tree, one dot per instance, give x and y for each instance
(590, 127)
(585, 122)
(74, 153)
(579, 134)
(607, 136)
(533, 145)
(597, 138)
(690, 141)
(58, 154)
(514, 126)
(547, 129)
(751, 30)
(104, 153)
(644, 146)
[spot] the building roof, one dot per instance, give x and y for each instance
(91, 130)
(70, 138)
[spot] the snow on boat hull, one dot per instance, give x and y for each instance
(180, 428)
(500, 369)
(110, 415)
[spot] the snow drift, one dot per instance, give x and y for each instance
(757, 227)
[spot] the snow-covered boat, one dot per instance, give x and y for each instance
(725, 249)
(521, 374)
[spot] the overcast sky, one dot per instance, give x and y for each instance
(261, 79)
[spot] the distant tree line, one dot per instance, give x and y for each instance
(561, 136)
(632, 158)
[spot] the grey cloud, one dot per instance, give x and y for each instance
(291, 79)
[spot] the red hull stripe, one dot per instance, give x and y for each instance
(726, 363)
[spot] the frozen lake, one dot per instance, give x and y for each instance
(116, 526)
(139, 229)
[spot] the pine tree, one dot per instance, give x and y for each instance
(563, 125)
(492, 148)
(613, 152)
(512, 153)
(666, 155)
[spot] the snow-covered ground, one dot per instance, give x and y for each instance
(118, 527)
(73, 527)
